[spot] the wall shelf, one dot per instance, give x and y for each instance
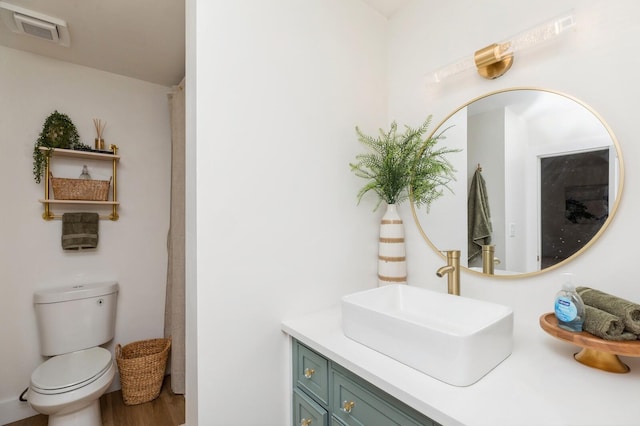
(104, 203)
(81, 155)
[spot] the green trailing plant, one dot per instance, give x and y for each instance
(58, 131)
(403, 166)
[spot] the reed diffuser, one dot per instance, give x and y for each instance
(99, 131)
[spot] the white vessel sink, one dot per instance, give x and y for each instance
(454, 339)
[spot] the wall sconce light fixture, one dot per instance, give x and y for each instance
(496, 59)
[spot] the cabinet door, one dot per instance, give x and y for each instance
(306, 412)
(355, 405)
(335, 421)
(311, 373)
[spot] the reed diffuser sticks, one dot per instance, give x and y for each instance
(99, 125)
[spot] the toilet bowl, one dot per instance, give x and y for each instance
(73, 322)
(68, 387)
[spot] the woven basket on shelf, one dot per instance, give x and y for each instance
(142, 365)
(80, 189)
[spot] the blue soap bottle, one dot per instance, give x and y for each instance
(568, 306)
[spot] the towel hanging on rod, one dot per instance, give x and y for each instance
(478, 216)
(80, 231)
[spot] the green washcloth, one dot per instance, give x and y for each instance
(605, 325)
(627, 311)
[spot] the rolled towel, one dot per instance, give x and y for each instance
(605, 325)
(627, 311)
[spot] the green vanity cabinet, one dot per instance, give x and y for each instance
(336, 422)
(307, 412)
(327, 392)
(311, 373)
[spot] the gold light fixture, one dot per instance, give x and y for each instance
(496, 59)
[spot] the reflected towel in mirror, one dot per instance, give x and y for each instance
(479, 216)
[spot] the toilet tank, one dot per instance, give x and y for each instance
(75, 317)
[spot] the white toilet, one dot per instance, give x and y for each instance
(72, 322)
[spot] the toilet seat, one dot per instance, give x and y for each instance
(65, 373)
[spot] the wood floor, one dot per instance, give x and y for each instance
(166, 410)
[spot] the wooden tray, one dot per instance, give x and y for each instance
(596, 352)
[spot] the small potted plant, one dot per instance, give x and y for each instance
(58, 131)
(401, 166)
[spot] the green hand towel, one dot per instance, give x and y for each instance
(627, 311)
(479, 227)
(605, 325)
(79, 231)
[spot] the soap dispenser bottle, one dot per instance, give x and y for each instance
(85, 173)
(569, 307)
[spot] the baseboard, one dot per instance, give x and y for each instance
(14, 410)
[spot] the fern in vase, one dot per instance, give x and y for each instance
(404, 165)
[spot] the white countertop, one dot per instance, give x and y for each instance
(539, 384)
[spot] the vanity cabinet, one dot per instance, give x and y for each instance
(74, 155)
(307, 412)
(327, 394)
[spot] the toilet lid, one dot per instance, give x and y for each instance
(64, 373)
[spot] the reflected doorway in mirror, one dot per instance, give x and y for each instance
(574, 202)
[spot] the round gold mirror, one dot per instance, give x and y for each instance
(539, 179)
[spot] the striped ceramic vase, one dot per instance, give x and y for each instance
(392, 263)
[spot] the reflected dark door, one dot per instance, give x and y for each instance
(574, 202)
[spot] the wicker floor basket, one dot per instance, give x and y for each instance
(142, 365)
(80, 189)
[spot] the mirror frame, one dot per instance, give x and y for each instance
(584, 248)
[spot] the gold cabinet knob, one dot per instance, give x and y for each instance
(347, 406)
(305, 422)
(308, 372)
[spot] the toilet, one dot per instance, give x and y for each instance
(72, 322)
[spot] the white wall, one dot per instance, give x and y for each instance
(520, 204)
(131, 250)
(280, 87)
(591, 64)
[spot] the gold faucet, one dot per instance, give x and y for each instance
(488, 255)
(453, 269)
(489, 259)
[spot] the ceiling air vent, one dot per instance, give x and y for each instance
(24, 21)
(36, 27)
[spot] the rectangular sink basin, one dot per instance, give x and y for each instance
(454, 339)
